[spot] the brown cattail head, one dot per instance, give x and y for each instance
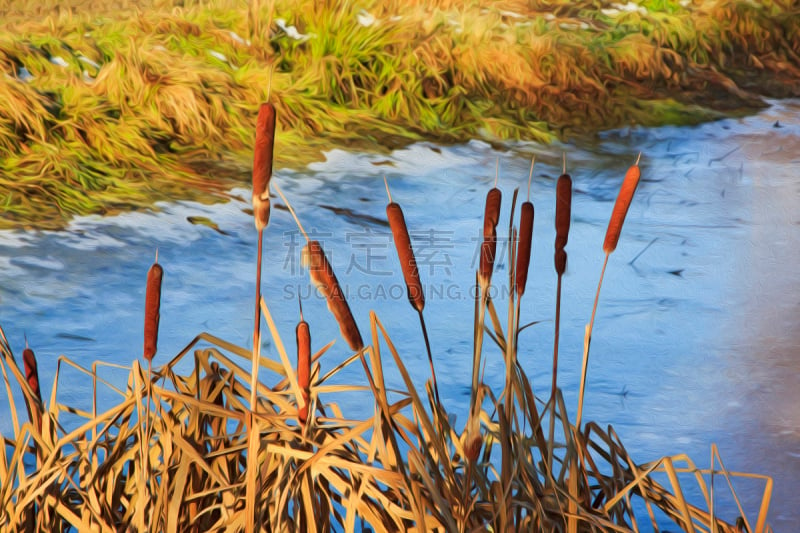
(31, 371)
(262, 163)
(323, 277)
(491, 217)
(621, 207)
(491, 214)
(152, 304)
(406, 253)
(524, 246)
(488, 251)
(472, 447)
(563, 209)
(303, 365)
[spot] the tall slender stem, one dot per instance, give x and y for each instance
(256, 326)
(586, 341)
(556, 336)
(430, 357)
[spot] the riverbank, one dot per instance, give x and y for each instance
(114, 107)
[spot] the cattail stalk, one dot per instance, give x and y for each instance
(303, 335)
(563, 216)
(408, 264)
(262, 174)
(623, 202)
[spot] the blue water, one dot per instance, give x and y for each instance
(696, 339)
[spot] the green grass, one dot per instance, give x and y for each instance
(143, 110)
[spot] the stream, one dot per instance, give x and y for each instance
(697, 334)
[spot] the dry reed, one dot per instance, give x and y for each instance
(152, 304)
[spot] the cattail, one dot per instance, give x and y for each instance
(262, 163)
(152, 303)
(32, 377)
(621, 207)
(488, 251)
(491, 214)
(410, 272)
(323, 277)
(31, 371)
(525, 240)
(524, 248)
(406, 253)
(491, 217)
(303, 365)
(563, 208)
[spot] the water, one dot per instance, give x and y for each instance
(696, 339)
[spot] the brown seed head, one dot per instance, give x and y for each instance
(406, 253)
(152, 304)
(488, 251)
(491, 214)
(262, 163)
(472, 446)
(303, 365)
(264, 147)
(31, 371)
(563, 208)
(621, 206)
(323, 277)
(524, 247)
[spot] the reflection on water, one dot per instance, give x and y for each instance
(696, 339)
